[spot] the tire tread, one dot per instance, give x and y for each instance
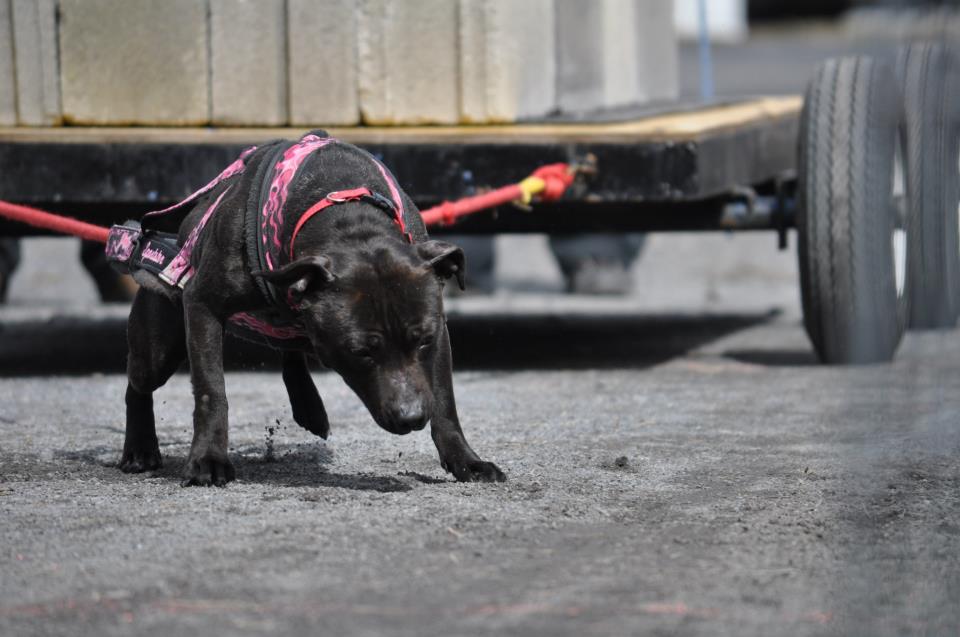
(848, 128)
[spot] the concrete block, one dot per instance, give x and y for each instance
(35, 55)
(507, 60)
(596, 54)
(408, 62)
(8, 78)
(621, 52)
(323, 62)
(658, 51)
(248, 62)
(614, 52)
(135, 62)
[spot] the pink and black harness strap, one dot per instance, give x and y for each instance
(270, 235)
(344, 196)
(132, 246)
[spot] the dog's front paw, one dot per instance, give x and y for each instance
(476, 471)
(140, 460)
(207, 470)
(313, 419)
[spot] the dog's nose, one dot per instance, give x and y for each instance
(410, 417)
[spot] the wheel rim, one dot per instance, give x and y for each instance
(898, 238)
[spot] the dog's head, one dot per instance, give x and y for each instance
(376, 317)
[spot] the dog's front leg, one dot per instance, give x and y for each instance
(308, 411)
(208, 463)
(456, 456)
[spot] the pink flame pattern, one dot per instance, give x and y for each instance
(179, 270)
(120, 243)
(286, 168)
(235, 168)
(281, 332)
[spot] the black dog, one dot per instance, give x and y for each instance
(362, 284)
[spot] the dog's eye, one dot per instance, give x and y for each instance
(425, 341)
(360, 350)
(363, 356)
(367, 349)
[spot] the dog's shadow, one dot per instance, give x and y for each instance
(293, 466)
(287, 466)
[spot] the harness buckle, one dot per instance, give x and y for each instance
(343, 196)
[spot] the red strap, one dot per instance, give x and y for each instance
(331, 199)
(556, 179)
(353, 194)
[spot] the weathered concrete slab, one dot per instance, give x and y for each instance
(614, 52)
(8, 79)
(248, 62)
(474, 58)
(579, 59)
(596, 54)
(135, 62)
(408, 62)
(507, 60)
(35, 54)
(658, 51)
(620, 44)
(323, 62)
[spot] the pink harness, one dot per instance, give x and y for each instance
(131, 247)
(343, 196)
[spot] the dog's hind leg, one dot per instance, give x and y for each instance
(207, 463)
(456, 456)
(155, 337)
(305, 400)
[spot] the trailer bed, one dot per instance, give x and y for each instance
(670, 163)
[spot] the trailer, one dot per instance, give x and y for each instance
(867, 178)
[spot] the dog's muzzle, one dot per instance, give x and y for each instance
(406, 418)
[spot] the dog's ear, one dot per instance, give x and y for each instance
(297, 276)
(445, 259)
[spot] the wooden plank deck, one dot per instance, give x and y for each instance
(658, 164)
(676, 127)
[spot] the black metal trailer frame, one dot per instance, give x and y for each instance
(719, 167)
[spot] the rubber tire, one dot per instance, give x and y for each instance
(927, 74)
(849, 127)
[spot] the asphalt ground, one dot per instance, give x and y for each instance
(677, 464)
